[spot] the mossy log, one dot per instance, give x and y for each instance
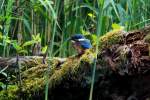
(123, 64)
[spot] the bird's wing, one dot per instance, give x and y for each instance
(86, 44)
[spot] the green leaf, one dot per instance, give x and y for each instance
(1, 44)
(28, 43)
(33, 37)
(3, 73)
(16, 46)
(86, 6)
(91, 15)
(106, 3)
(115, 9)
(36, 38)
(27, 24)
(2, 85)
(44, 49)
(1, 27)
(101, 2)
(23, 51)
(1, 36)
(7, 39)
(117, 26)
(94, 37)
(85, 32)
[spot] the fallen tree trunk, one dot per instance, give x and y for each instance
(122, 71)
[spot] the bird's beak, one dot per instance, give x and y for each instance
(72, 41)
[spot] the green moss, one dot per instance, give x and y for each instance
(34, 77)
(68, 67)
(110, 38)
(10, 93)
(147, 38)
(88, 57)
(31, 85)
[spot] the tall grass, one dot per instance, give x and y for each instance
(39, 17)
(54, 11)
(7, 25)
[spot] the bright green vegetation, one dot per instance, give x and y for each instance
(56, 21)
(29, 25)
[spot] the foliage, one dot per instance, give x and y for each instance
(10, 93)
(57, 21)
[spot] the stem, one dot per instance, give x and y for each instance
(19, 76)
(98, 31)
(51, 49)
(19, 70)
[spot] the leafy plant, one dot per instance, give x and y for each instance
(44, 49)
(36, 38)
(19, 48)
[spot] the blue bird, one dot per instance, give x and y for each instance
(80, 43)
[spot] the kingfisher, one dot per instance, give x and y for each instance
(80, 43)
